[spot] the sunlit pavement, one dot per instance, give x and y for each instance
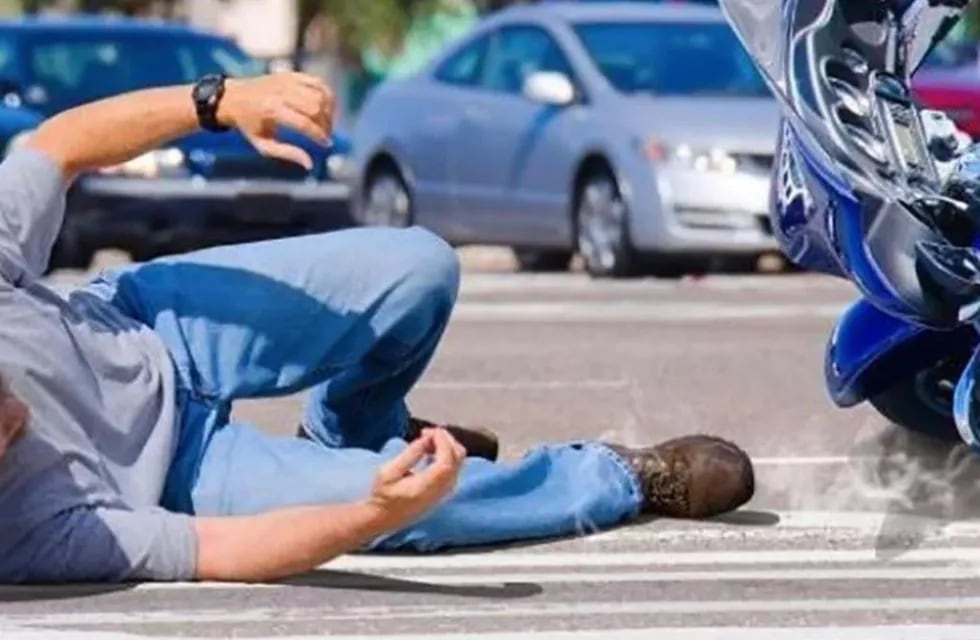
(854, 525)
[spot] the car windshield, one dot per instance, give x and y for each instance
(62, 72)
(672, 58)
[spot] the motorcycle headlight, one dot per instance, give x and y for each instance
(149, 165)
(685, 156)
(17, 141)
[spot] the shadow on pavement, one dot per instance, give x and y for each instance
(10, 594)
(330, 579)
(748, 518)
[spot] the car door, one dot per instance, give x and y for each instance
(438, 108)
(509, 167)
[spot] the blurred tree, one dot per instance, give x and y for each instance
(376, 39)
(973, 19)
(127, 7)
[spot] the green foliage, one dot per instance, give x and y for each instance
(973, 19)
(379, 23)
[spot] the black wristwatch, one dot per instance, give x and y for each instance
(207, 95)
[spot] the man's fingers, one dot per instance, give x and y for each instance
(283, 151)
(400, 466)
(448, 450)
(460, 450)
(322, 97)
(302, 123)
(311, 81)
(438, 478)
(314, 111)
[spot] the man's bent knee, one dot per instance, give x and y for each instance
(431, 267)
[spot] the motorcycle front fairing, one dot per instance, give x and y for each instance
(855, 195)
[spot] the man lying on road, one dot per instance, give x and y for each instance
(118, 458)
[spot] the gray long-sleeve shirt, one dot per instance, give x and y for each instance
(79, 492)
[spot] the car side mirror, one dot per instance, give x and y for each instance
(549, 87)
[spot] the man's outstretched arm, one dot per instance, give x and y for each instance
(33, 180)
(100, 544)
(117, 129)
(291, 541)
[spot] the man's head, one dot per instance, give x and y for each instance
(14, 415)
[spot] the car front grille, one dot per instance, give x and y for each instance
(757, 161)
(713, 219)
(269, 168)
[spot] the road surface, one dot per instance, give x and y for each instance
(855, 525)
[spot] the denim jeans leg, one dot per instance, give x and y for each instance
(354, 315)
(554, 490)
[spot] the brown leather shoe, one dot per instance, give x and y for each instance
(691, 477)
(479, 442)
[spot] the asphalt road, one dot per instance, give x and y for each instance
(857, 531)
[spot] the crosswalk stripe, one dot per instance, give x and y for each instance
(485, 283)
(791, 525)
(884, 632)
(600, 311)
(507, 559)
(898, 574)
(509, 610)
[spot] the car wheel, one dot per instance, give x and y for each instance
(387, 201)
(535, 260)
(923, 403)
(602, 227)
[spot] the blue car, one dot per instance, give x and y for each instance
(201, 190)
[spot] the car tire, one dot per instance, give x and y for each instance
(602, 227)
(387, 199)
(542, 261)
(923, 402)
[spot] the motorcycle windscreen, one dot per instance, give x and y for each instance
(759, 26)
(761, 29)
(923, 27)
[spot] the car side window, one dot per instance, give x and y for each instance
(518, 52)
(465, 67)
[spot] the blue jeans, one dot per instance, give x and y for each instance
(355, 317)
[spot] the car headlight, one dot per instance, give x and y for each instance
(17, 141)
(338, 166)
(685, 156)
(149, 165)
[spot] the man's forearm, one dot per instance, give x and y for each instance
(117, 129)
(285, 542)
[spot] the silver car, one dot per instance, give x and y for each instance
(629, 133)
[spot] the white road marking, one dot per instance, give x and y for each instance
(366, 581)
(484, 283)
(494, 610)
(797, 525)
(886, 632)
(904, 632)
(527, 385)
(607, 311)
(506, 559)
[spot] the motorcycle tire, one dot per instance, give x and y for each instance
(923, 403)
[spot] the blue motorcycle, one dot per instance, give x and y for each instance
(870, 187)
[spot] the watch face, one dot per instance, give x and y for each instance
(205, 89)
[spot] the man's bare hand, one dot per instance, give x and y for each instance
(13, 418)
(402, 494)
(298, 101)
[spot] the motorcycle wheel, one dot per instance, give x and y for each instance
(923, 403)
